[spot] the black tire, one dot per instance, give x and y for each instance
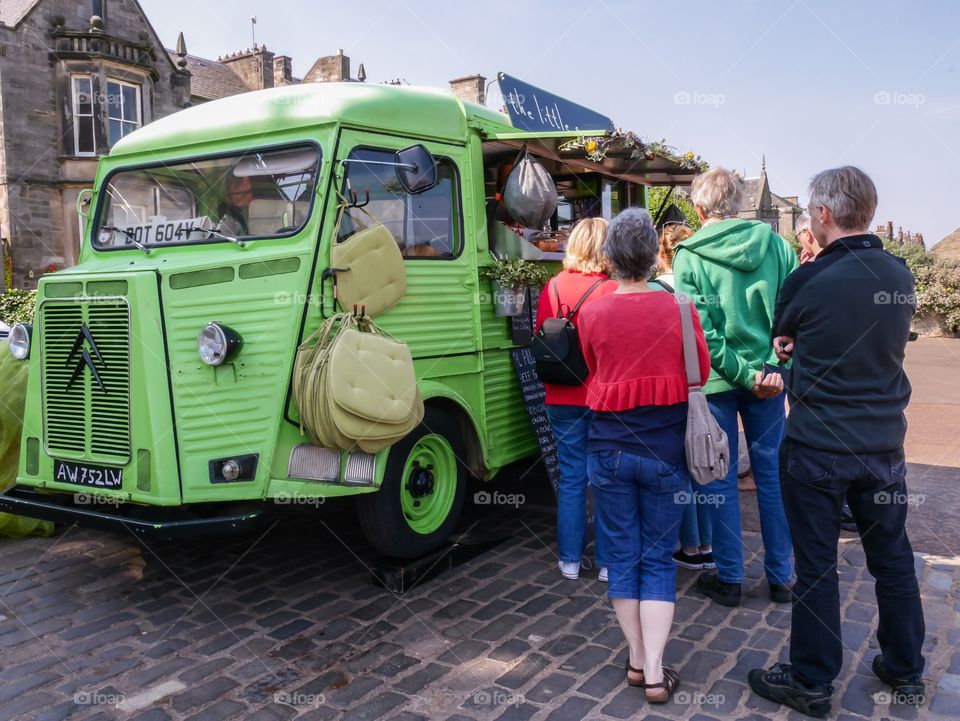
(382, 517)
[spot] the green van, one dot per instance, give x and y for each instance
(159, 392)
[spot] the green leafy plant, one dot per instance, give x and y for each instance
(16, 306)
(516, 274)
(655, 198)
(938, 283)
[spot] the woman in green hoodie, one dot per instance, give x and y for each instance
(734, 269)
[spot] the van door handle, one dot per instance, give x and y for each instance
(469, 283)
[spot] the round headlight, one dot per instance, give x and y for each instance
(217, 344)
(20, 341)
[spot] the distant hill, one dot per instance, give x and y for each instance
(949, 247)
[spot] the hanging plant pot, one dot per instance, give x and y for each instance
(508, 301)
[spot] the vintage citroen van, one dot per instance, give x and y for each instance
(160, 366)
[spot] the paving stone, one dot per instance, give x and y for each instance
(595, 621)
(539, 604)
(518, 712)
(854, 634)
(695, 631)
(204, 693)
(628, 703)
(586, 660)
(273, 712)
(747, 660)
(564, 645)
(220, 711)
(524, 593)
(375, 708)
(728, 639)
(748, 619)
(572, 709)
(492, 610)
(156, 714)
(611, 638)
(203, 670)
(456, 609)
(421, 678)
(463, 652)
(723, 697)
(947, 704)
(675, 651)
(396, 665)
(603, 681)
(768, 639)
(491, 590)
(543, 628)
(509, 651)
(858, 698)
(576, 606)
(549, 687)
(524, 671)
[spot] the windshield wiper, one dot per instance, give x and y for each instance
(215, 234)
(131, 236)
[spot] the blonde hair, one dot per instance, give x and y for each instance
(669, 237)
(719, 192)
(585, 247)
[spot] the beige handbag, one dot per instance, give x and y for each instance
(355, 386)
(371, 273)
(706, 444)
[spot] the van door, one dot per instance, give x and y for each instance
(438, 317)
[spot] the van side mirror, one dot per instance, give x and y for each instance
(416, 169)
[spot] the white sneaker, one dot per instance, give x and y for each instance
(570, 571)
(603, 575)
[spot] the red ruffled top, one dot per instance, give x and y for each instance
(571, 284)
(633, 345)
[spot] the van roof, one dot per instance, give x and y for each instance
(416, 111)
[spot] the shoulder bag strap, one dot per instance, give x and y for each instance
(556, 294)
(691, 358)
(585, 296)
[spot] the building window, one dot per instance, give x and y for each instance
(83, 137)
(123, 109)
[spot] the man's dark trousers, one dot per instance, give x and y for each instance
(815, 484)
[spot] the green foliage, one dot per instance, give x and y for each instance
(938, 282)
(516, 273)
(655, 196)
(16, 306)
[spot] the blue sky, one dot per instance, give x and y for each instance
(809, 83)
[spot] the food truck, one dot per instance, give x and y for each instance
(161, 365)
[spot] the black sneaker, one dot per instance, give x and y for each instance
(780, 593)
(847, 522)
(693, 561)
(726, 594)
(780, 685)
(708, 564)
(907, 690)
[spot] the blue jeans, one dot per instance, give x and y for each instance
(815, 485)
(639, 504)
(696, 527)
(763, 422)
(570, 425)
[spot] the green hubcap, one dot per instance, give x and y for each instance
(429, 484)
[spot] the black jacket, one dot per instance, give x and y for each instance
(849, 312)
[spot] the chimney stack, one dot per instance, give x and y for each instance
(471, 88)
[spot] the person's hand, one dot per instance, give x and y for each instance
(783, 347)
(767, 386)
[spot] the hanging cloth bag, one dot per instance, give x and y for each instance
(705, 445)
(530, 195)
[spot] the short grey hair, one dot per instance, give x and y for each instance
(803, 223)
(632, 245)
(849, 194)
(718, 191)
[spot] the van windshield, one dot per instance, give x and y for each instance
(255, 194)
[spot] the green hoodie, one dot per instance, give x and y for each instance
(734, 269)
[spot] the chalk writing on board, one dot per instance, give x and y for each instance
(533, 399)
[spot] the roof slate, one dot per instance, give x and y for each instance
(211, 80)
(13, 11)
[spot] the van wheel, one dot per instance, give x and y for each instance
(421, 497)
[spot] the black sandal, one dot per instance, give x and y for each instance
(671, 680)
(631, 669)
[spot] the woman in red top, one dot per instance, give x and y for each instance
(633, 345)
(583, 265)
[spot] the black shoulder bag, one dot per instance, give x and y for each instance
(556, 346)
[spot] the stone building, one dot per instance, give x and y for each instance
(760, 203)
(75, 77)
(900, 237)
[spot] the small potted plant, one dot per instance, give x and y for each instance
(510, 279)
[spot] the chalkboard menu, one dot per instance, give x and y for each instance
(533, 399)
(521, 326)
(535, 109)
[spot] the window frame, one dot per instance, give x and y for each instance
(103, 198)
(457, 226)
(123, 121)
(74, 114)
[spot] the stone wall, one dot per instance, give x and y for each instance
(36, 117)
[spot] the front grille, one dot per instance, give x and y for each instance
(81, 340)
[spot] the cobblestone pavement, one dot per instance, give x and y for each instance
(288, 624)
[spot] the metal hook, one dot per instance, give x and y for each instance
(355, 195)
